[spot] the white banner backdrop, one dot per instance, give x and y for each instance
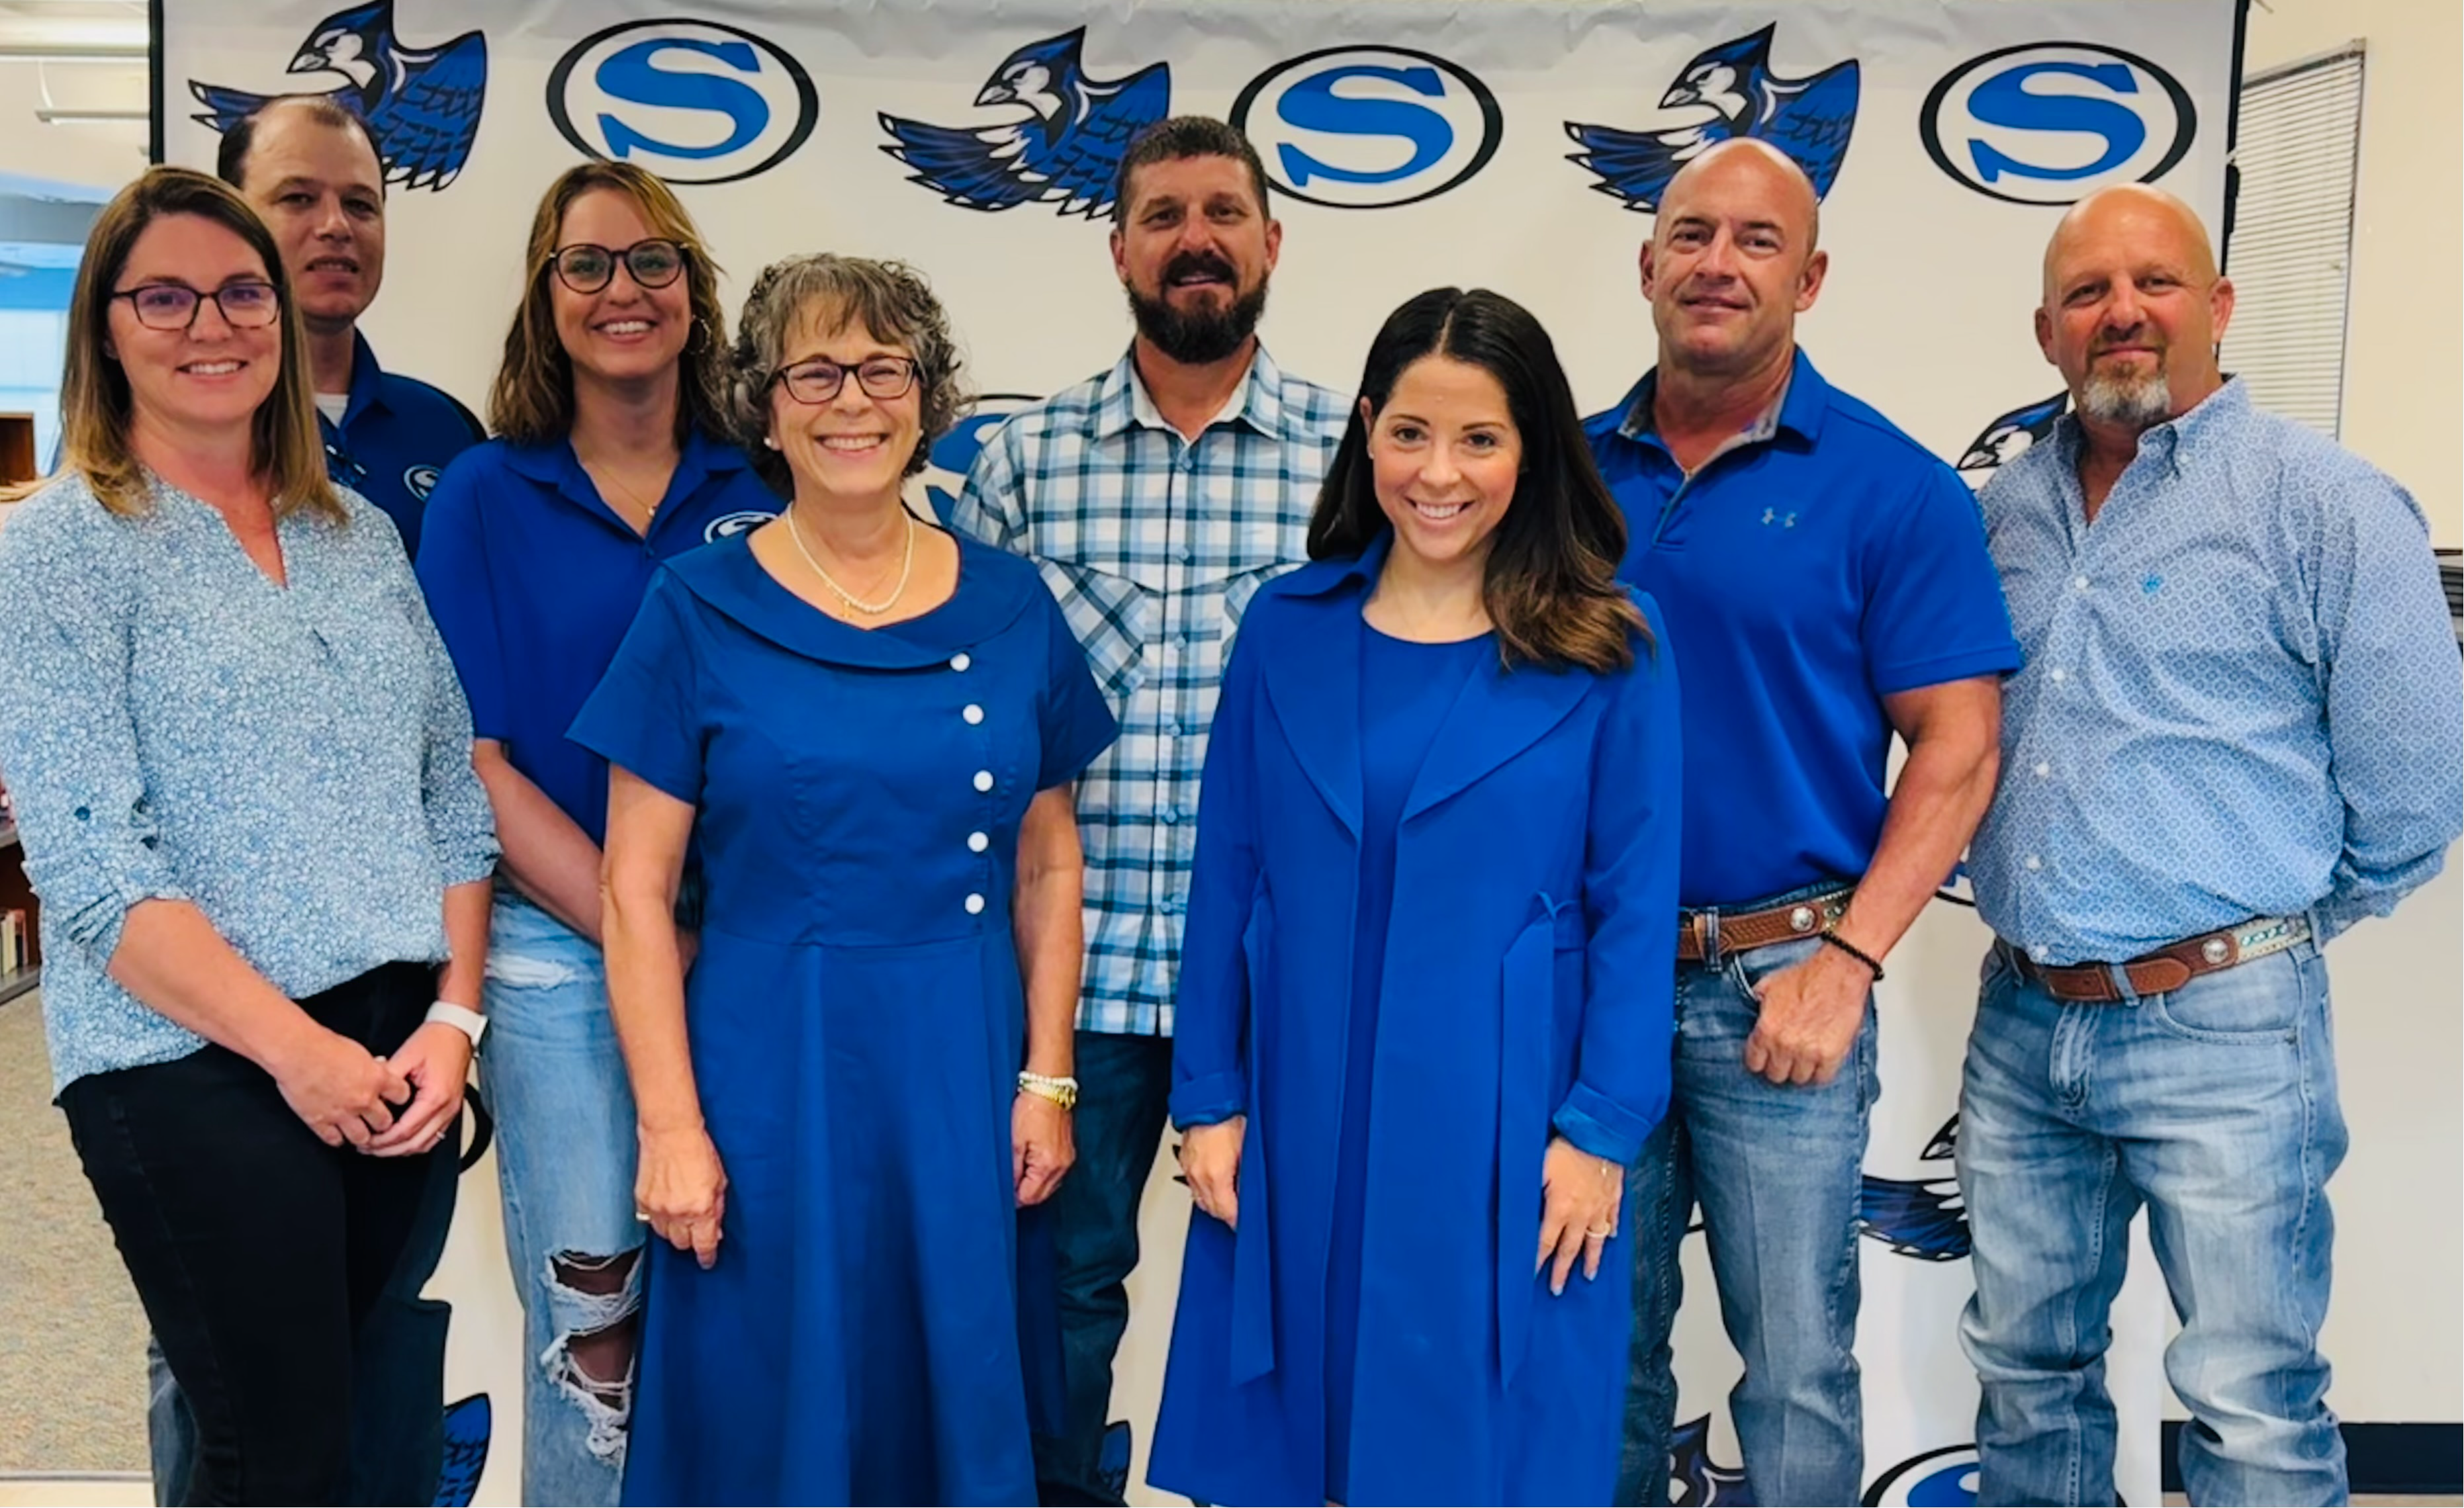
(1515, 143)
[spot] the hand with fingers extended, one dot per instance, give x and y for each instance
(1210, 1159)
(681, 1190)
(1042, 1147)
(341, 1090)
(436, 1063)
(1580, 1201)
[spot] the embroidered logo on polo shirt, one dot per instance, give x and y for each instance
(420, 481)
(726, 524)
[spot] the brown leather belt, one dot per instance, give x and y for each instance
(2167, 967)
(1711, 932)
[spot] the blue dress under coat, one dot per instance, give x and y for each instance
(1527, 983)
(856, 1020)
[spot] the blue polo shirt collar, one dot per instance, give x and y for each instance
(555, 464)
(368, 382)
(1802, 405)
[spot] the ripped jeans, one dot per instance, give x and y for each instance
(564, 1153)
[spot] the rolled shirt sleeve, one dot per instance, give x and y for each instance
(67, 740)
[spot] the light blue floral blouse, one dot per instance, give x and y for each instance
(295, 760)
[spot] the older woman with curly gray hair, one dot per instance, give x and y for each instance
(867, 728)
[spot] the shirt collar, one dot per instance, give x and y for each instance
(1798, 410)
(2206, 424)
(1325, 578)
(1122, 401)
(554, 465)
(367, 381)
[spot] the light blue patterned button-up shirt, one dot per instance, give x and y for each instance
(295, 760)
(2241, 694)
(1154, 545)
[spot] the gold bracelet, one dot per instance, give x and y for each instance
(1060, 1091)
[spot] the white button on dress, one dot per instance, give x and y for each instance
(975, 904)
(978, 842)
(983, 779)
(972, 713)
(960, 661)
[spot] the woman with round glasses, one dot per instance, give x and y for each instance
(867, 728)
(241, 770)
(612, 455)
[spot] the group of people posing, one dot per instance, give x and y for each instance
(846, 901)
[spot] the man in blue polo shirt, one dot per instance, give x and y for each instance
(308, 168)
(1826, 585)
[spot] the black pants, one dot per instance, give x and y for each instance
(256, 1249)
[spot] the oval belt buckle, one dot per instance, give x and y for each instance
(1801, 919)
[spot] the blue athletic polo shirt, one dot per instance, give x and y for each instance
(532, 581)
(397, 436)
(1822, 564)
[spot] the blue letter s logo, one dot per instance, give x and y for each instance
(633, 75)
(2005, 99)
(1313, 105)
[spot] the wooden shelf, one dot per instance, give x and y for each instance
(18, 981)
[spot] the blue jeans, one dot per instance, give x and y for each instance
(2214, 1107)
(556, 1084)
(397, 1377)
(1777, 1169)
(1124, 1083)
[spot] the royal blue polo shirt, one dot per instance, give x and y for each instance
(532, 581)
(1822, 564)
(397, 436)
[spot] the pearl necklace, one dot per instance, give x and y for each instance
(906, 568)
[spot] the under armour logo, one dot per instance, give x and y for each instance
(1772, 515)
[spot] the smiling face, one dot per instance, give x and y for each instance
(1193, 251)
(2133, 308)
(623, 332)
(319, 190)
(211, 375)
(1445, 454)
(1731, 261)
(852, 445)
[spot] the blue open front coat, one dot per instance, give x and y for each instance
(1527, 983)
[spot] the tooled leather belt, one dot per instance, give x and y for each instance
(2167, 967)
(1711, 932)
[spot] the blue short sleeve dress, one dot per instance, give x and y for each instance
(856, 1019)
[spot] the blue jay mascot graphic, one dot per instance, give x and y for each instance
(1924, 1218)
(1809, 118)
(2000, 443)
(1065, 151)
(1697, 1482)
(421, 108)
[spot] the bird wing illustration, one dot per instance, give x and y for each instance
(1082, 160)
(973, 167)
(426, 125)
(1636, 166)
(1810, 121)
(468, 1425)
(225, 108)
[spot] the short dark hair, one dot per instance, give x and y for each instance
(230, 159)
(1176, 138)
(1550, 585)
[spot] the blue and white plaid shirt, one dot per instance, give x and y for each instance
(1154, 545)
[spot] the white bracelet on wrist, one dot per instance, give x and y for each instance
(462, 1018)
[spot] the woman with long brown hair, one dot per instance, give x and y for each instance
(1424, 1013)
(241, 770)
(612, 454)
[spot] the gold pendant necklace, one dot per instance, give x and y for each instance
(906, 568)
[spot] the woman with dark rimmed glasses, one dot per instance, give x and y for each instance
(610, 455)
(869, 728)
(241, 770)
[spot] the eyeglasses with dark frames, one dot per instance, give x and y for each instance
(174, 306)
(586, 269)
(880, 377)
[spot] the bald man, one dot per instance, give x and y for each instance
(1826, 585)
(2238, 735)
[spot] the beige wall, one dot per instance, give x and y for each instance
(2396, 1328)
(2404, 390)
